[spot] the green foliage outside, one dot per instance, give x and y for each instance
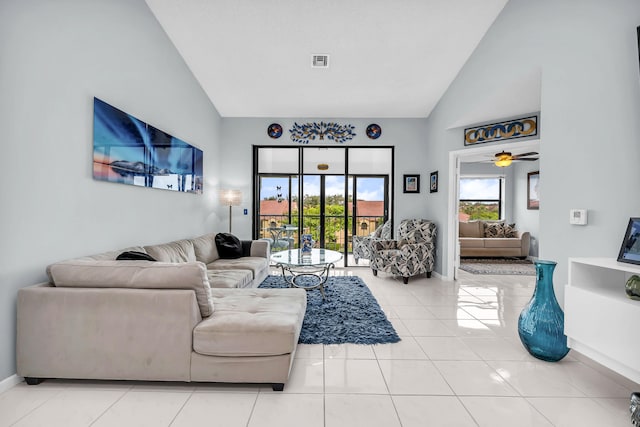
(334, 220)
(477, 210)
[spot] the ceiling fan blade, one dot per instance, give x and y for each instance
(526, 159)
(532, 153)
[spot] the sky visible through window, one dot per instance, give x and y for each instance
(368, 188)
(479, 188)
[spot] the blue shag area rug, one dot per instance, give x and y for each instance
(349, 314)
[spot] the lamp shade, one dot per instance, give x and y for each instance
(230, 197)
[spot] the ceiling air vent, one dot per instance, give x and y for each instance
(320, 61)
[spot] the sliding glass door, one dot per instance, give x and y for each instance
(323, 214)
(278, 210)
(312, 190)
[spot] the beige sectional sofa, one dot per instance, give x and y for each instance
(476, 242)
(99, 318)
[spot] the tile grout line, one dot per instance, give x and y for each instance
(181, 407)
(112, 405)
(39, 406)
(253, 407)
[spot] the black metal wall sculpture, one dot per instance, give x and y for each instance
(306, 132)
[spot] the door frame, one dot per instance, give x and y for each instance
(455, 159)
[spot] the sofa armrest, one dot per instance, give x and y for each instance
(525, 241)
(108, 333)
(261, 248)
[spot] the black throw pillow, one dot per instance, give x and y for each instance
(229, 246)
(246, 247)
(134, 256)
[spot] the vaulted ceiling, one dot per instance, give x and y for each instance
(387, 59)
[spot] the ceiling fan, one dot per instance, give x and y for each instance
(504, 158)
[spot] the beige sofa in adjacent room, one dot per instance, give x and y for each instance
(484, 238)
(99, 318)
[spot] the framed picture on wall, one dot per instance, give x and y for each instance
(411, 184)
(433, 182)
(533, 191)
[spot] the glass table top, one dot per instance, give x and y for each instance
(318, 257)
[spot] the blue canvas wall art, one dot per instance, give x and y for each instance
(129, 151)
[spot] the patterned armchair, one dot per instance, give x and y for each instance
(412, 254)
(362, 244)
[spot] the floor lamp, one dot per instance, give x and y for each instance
(230, 198)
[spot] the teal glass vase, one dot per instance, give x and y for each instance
(541, 323)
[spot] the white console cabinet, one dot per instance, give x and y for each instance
(600, 321)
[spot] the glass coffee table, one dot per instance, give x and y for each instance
(306, 271)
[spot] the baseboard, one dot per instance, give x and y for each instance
(9, 382)
(439, 276)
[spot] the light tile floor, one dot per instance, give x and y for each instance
(460, 363)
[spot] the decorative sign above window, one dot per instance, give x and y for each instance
(305, 132)
(511, 129)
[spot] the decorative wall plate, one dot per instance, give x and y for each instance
(374, 131)
(274, 130)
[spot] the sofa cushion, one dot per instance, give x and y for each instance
(470, 229)
(135, 274)
(472, 242)
(229, 246)
(110, 255)
(178, 251)
(252, 322)
(254, 264)
(205, 248)
(499, 242)
(230, 278)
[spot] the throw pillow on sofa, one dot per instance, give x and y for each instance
(134, 256)
(493, 229)
(510, 231)
(499, 229)
(229, 246)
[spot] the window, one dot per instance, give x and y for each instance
(481, 198)
(331, 193)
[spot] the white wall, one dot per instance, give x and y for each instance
(525, 219)
(407, 135)
(56, 56)
(590, 105)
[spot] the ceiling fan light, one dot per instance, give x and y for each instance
(503, 162)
